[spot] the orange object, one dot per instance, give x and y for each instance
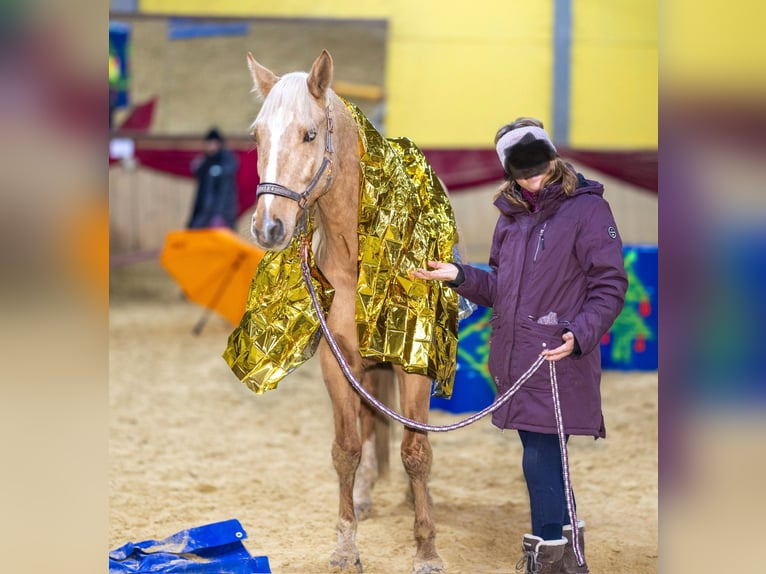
(213, 267)
(87, 244)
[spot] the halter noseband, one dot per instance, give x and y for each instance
(302, 198)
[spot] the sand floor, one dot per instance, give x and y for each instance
(190, 445)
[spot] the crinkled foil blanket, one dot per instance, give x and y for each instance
(405, 219)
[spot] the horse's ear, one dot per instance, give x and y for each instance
(320, 76)
(263, 78)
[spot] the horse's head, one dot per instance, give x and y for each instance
(293, 134)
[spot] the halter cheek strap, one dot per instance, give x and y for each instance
(303, 198)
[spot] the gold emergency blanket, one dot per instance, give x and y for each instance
(405, 220)
(279, 330)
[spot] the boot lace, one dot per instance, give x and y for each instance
(529, 560)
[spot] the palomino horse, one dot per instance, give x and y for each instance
(302, 148)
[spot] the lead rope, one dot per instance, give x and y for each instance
(565, 465)
(375, 402)
(505, 397)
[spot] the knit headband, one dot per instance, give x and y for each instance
(513, 137)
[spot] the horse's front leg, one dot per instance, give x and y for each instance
(415, 393)
(346, 453)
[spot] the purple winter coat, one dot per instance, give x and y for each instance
(566, 258)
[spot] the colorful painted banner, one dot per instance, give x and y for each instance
(119, 76)
(631, 343)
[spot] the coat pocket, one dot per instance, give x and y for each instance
(532, 339)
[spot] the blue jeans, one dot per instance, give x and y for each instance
(541, 463)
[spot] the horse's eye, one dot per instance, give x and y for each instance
(310, 135)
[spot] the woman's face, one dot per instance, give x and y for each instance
(536, 182)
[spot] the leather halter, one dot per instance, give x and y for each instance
(302, 198)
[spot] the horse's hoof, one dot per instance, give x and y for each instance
(363, 510)
(428, 567)
(345, 564)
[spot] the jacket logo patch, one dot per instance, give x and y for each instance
(612, 232)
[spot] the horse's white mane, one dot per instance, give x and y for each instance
(291, 91)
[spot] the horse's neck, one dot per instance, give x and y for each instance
(339, 207)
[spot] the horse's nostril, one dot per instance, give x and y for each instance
(275, 231)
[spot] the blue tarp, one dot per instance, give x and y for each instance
(211, 549)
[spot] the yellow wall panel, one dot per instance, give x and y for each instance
(615, 22)
(454, 76)
(456, 72)
(614, 74)
(442, 98)
(614, 98)
(482, 22)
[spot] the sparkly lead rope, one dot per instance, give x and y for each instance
(565, 465)
(505, 397)
(374, 401)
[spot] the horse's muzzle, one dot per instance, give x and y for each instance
(270, 234)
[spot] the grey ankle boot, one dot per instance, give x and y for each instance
(569, 562)
(541, 556)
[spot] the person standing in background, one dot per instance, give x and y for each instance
(556, 284)
(215, 204)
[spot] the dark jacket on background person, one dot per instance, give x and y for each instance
(216, 200)
(564, 258)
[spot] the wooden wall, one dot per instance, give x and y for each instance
(143, 206)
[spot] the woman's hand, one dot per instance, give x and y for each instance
(440, 271)
(563, 351)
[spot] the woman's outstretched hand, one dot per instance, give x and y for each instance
(439, 270)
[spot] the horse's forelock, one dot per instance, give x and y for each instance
(291, 92)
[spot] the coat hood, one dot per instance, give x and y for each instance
(551, 197)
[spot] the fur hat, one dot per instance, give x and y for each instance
(525, 152)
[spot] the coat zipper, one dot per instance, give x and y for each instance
(540, 242)
(540, 245)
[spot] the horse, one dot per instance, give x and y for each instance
(302, 147)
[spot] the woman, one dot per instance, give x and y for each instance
(557, 282)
